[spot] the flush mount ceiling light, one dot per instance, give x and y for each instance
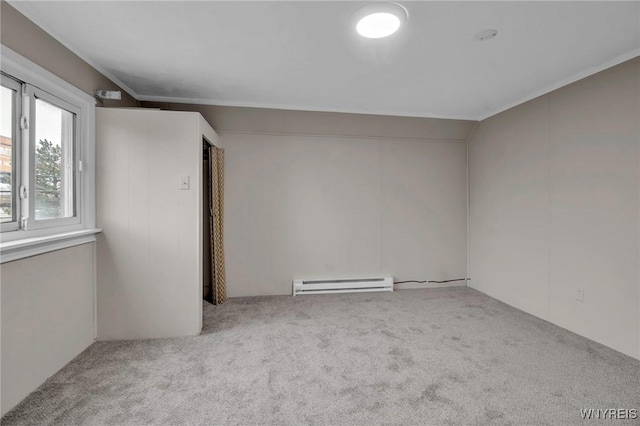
(378, 20)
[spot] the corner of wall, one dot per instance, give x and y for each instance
(472, 133)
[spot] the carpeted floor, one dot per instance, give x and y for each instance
(415, 357)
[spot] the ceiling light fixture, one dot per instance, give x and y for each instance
(378, 20)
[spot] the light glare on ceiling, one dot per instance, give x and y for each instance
(378, 25)
(378, 20)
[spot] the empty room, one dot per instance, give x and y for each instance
(319, 213)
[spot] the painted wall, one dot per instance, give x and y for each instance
(17, 32)
(150, 248)
(328, 194)
(304, 206)
(554, 207)
(47, 305)
(47, 317)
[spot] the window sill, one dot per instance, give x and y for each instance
(27, 247)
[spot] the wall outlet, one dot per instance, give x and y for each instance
(580, 294)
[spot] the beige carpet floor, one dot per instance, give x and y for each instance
(415, 357)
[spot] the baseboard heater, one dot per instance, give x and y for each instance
(342, 285)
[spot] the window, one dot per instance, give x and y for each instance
(10, 110)
(53, 163)
(46, 153)
(49, 124)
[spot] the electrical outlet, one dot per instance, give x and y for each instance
(580, 294)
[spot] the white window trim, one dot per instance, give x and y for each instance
(17, 156)
(20, 243)
(19, 249)
(32, 222)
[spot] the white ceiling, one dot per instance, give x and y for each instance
(306, 55)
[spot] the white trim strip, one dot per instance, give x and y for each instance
(14, 250)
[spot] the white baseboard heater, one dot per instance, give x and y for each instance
(342, 285)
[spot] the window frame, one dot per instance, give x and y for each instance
(32, 222)
(39, 234)
(11, 83)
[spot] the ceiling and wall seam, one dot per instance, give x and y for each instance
(22, 7)
(472, 133)
(341, 135)
(214, 102)
(565, 82)
(27, 9)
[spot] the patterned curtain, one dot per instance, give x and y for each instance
(218, 287)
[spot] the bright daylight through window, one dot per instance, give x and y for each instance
(8, 97)
(54, 162)
(47, 152)
(51, 165)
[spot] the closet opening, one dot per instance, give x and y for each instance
(214, 288)
(207, 215)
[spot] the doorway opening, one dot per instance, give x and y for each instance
(207, 215)
(214, 287)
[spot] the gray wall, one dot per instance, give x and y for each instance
(47, 317)
(47, 302)
(555, 207)
(327, 194)
(150, 251)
